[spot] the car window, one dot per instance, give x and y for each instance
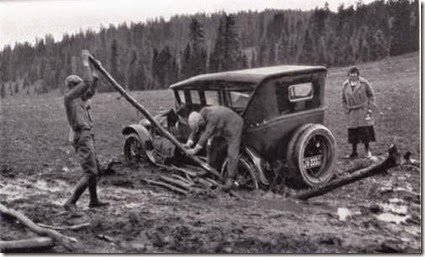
(300, 92)
(195, 97)
(296, 95)
(212, 98)
(239, 99)
(181, 95)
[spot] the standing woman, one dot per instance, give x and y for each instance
(358, 101)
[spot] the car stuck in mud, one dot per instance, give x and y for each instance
(378, 214)
(283, 110)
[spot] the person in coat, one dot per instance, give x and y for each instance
(213, 122)
(78, 92)
(358, 101)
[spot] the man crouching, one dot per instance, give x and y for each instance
(217, 121)
(78, 91)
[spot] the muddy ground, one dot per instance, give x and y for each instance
(381, 214)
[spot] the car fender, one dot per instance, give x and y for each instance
(258, 163)
(140, 130)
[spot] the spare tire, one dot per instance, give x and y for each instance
(311, 156)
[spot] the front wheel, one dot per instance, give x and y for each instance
(134, 151)
(245, 174)
(311, 156)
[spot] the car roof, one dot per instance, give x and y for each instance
(248, 76)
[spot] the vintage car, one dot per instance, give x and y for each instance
(283, 110)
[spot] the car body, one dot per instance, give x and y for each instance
(279, 105)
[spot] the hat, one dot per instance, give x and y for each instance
(354, 69)
(72, 80)
(194, 121)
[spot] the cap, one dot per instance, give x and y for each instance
(72, 80)
(194, 120)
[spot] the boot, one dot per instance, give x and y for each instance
(367, 150)
(368, 154)
(94, 200)
(352, 156)
(228, 184)
(70, 204)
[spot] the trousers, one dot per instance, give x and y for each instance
(84, 147)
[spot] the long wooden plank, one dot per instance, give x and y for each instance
(167, 186)
(69, 243)
(176, 182)
(391, 161)
(26, 245)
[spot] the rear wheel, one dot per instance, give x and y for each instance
(311, 156)
(134, 152)
(245, 174)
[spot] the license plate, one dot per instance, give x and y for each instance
(312, 161)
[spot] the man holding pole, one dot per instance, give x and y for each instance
(78, 91)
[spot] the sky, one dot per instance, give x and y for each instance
(25, 20)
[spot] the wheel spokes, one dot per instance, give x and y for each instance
(316, 146)
(244, 179)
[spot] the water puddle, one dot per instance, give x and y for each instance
(343, 213)
(51, 186)
(413, 230)
(408, 188)
(396, 201)
(21, 188)
(389, 217)
(394, 212)
(392, 208)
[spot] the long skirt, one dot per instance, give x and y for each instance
(361, 135)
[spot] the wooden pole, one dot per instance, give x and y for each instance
(176, 182)
(149, 116)
(26, 245)
(69, 243)
(391, 161)
(167, 186)
(74, 227)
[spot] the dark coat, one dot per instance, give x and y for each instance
(219, 121)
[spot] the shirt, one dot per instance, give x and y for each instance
(219, 121)
(77, 111)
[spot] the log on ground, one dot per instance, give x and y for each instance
(176, 182)
(391, 161)
(27, 245)
(69, 243)
(167, 186)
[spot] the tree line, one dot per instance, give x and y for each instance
(154, 54)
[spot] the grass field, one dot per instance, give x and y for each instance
(34, 130)
(37, 166)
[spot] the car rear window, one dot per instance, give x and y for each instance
(300, 92)
(296, 96)
(239, 99)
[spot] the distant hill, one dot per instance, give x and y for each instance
(154, 54)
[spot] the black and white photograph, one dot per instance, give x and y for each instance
(210, 127)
